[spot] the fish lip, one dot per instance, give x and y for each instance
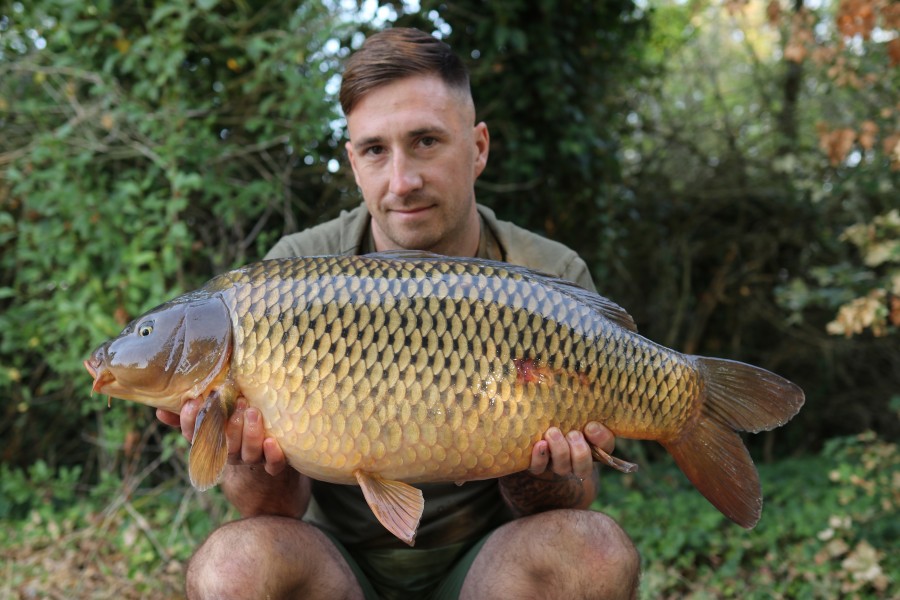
(102, 377)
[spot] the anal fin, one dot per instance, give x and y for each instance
(397, 505)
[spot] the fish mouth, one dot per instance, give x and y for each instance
(102, 377)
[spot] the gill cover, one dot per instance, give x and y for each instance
(174, 352)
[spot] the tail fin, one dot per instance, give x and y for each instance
(738, 397)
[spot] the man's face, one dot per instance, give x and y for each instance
(416, 154)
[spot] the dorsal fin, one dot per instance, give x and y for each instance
(604, 306)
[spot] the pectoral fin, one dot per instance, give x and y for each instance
(209, 449)
(397, 505)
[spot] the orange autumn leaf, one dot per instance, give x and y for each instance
(856, 17)
(867, 133)
(836, 144)
(801, 37)
(795, 51)
(891, 147)
(890, 12)
(894, 310)
(735, 6)
(773, 12)
(893, 50)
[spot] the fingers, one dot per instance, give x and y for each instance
(540, 458)
(275, 459)
(168, 418)
(252, 441)
(248, 444)
(234, 433)
(570, 454)
(600, 436)
(245, 435)
(188, 417)
(582, 464)
(560, 455)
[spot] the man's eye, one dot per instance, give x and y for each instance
(428, 141)
(375, 150)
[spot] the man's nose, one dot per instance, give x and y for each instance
(405, 176)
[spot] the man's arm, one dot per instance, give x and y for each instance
(562, 472)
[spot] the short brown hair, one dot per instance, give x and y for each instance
(394, 54)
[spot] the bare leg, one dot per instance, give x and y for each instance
(556, 554)
(269, 557)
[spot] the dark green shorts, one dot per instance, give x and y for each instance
(433, 574)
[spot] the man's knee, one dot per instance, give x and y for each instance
(232, 549)
(560, 553)
(607, 547)
(593, 553)
(269, 557)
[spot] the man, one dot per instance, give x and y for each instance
(416, 152)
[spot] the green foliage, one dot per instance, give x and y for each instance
(114, 540)
(40, 488)
(146, 146)
(829, 528)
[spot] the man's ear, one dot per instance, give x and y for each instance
(482, 147)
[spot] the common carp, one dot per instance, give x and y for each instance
(396, 368)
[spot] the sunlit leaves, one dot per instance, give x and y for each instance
(878, 243)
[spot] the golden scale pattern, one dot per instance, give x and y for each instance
(409, 368)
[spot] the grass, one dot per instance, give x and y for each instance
(829, 529)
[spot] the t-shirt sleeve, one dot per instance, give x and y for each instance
(577, 271)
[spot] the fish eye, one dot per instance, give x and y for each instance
(145, 329)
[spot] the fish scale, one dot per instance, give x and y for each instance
(398, 368)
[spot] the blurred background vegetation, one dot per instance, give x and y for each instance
(729, 170)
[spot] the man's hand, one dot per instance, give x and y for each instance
(562, 472)
(247, 444)
(570, 454)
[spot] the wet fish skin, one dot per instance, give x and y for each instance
(415, 368)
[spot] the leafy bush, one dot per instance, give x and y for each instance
(145, 147)
(119, 538)
(829, 528)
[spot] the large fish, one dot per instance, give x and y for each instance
(397, 368)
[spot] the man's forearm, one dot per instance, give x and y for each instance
(254, 492)
(529, 494)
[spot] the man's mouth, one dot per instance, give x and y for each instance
(412, 210)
